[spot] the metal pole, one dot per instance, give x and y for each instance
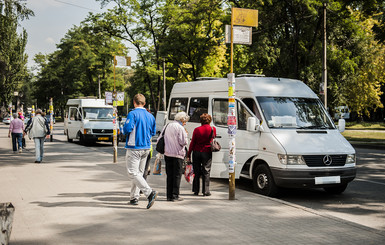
(231, 121)
(164, 85)
(100, 95)
(231, 41)
(324, 75)
(232, 129)
(114, 143)
(51, 118)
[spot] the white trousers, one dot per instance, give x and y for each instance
(135, 163)
(39, 148)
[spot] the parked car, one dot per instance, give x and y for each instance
(7, 120)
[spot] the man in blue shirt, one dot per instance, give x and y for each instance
(139, 127)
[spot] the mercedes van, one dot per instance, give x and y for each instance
(284, 137)
(88, 120)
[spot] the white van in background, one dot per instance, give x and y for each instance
(88, 120)
(342, 112)
(160, 120)
(284, 138)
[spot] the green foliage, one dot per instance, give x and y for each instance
(83, 58)
(13, 59)
(288, 43)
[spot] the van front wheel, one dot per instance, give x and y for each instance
(263, 181)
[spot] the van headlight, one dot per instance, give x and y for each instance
(87, 131)
(350, 158)
(291, 159)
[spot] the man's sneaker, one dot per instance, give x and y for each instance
(134, 201)
(151, 199)
(20, 150)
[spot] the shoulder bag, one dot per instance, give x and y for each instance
(160, 145)
(215, 146)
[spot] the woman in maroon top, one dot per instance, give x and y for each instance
(201, 159)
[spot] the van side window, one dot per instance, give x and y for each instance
(243, 115)
(252, 106)
(177, 105)
(197, 107)
(73, 114)
(220, 111)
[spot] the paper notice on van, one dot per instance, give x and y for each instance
(327, 180)
(284, 121)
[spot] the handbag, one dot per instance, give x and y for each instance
(160, 144)
(215, 146)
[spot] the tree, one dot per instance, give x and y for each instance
(288, 43)
(194, 41)
(83, 57)
(13, 59)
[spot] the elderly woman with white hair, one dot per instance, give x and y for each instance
(175, 139)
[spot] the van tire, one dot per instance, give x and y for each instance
(82, 140)
(68, 138)
(336, 190)
(263, 181)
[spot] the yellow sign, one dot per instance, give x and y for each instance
(245, 17)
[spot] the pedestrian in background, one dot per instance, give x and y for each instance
(202, 155)
(175, 139)
(37, 128)
(16, 128)
(139, 128)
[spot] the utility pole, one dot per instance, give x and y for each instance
(324, 66)
(100, 95)
(164, 85)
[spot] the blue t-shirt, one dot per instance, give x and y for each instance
(140, 127)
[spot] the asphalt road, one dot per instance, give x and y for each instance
(363, 202)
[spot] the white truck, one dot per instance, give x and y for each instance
(284, 137)
(88, 120)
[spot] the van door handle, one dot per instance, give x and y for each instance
(218, 136)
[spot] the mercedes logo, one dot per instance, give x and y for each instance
(103, 132)
(327, 160)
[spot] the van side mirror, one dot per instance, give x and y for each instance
(341, 125)
(253, 125)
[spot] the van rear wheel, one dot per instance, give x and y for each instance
(263, 181)
(336, 189)
(68, 138)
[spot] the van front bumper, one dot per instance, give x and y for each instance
(294, 178)
(97, 137)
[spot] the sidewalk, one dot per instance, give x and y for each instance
(78, 196)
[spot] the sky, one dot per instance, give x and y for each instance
(52, 20)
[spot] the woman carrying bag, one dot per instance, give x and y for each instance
(175, 142)
(200, 147)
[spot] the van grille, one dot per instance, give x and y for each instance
(317, 160)
(102, 131)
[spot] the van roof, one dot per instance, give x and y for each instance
(88, 103)
(259, 86)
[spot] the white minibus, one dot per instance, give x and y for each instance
(88, 120)
(284, 137)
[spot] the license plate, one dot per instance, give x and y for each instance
(327, 180)
(103, 138)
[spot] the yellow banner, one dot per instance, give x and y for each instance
(245, 17)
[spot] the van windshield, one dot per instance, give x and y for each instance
(97, 113)
(300, 113)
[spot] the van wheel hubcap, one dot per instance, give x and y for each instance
(262, 181)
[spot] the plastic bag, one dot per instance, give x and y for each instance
(189, 173)
(157, 170)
